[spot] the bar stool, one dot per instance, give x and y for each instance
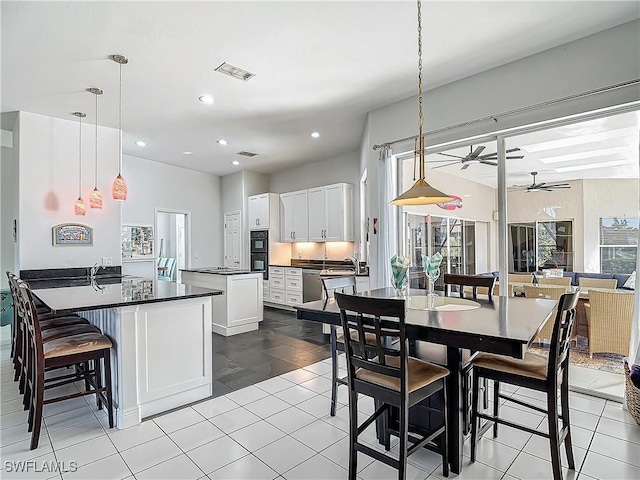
(62, 351)
(538, 373)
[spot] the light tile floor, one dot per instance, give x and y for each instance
(281, 428)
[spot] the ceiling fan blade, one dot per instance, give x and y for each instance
(444, 160)
(465, 166)
(557, 185)
(511, 150)
(476, 152)
(488, 163)
(516, 156)
(449, 155)
(448, 164)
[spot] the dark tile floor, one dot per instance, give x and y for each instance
(280, 345)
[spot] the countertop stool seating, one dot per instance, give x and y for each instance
(48, 320)
(558, 281)
(537, 373)
(553, 292)
(609, 315)
(61, 350)
(484, 285)
(343, 285)
(392, 378)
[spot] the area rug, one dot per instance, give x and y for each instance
(579, 355)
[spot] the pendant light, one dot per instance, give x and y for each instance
(95, 200)
(119, 189)
(80, 208)
(421, 193)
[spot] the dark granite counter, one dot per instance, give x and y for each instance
(80, 294)
(218, 271)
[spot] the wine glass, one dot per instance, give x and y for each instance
(400, 284)
(432, 275)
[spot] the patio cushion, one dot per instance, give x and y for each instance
(629, 283)
(592, 275)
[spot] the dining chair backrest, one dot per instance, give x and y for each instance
(32, 332)
(552, 292)
(610, 283)
(610, 319)
(561, 336)
(473, 281)
(364, 315)
(520, 278)
(560, 281)
(346, 284)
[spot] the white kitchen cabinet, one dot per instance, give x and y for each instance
(331, 213)
(294, 216)
(261, 208)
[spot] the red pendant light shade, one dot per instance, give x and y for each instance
(80, 208)
(119, 189)
(95, 200)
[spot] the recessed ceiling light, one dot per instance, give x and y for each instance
(187, 153)
(206, 99)
(223, 142)
(236, 162)
(589, 166)
(140, 143)
(315, 134)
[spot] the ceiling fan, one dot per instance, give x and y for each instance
(474, 156)
(539, 187)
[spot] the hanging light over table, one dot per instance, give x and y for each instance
(80, 208)
(421, 193)
(95, 199)
(119, 189)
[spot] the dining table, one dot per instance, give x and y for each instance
(503, 325)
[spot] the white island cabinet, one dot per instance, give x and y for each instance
(239, 310)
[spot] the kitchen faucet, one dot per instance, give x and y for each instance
(94, 270)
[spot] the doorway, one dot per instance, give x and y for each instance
(173, 243)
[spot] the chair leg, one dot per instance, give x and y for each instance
(474, 414)
(108, 385)
(98, 378)
(353, 434)
(334, 371)
(445, 435)
(38, 402)
(404, 434)
(496, 406)
(554, 434)
(485, 395)
(385, 429)
(564, 401)
(85, 367)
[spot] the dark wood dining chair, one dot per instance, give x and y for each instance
(61, 351)
(392, 378)
(537, 373)
(329, 286)
(473, 281)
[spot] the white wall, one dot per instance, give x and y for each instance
(48, 188)
(8, 202)
(157, 185)
(603, 59)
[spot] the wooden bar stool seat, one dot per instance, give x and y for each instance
(532, 365)
(62, 322)
(67, 331)
(420, 374)
(75, 344)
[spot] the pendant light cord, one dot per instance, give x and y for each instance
(80, 160)
(96, 182)
(420, 142)
(120, 126)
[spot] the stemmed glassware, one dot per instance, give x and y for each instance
(400, 273)
(432, 271)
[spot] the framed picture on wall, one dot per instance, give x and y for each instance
(72, 234)
(137, 242)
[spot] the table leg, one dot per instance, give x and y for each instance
(454, 386)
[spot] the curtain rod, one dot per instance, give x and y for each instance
(516, 111)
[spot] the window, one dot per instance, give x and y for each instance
(555, 245)
(618, 244)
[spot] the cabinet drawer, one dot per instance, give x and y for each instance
(293, 272)
(266, 296)
(276, 271)
(276, 281)
(294, 283)
(277, 296)
(294, 298)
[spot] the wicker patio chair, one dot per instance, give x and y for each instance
(554, 292)
(610, 283)
(558, 281)
(609, 318)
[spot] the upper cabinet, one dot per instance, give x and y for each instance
(294, 216)
(331, 213)
(263, 211)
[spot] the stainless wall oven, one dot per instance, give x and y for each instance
(259, 250)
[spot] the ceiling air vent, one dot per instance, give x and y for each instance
(235, 72)
(247, 154)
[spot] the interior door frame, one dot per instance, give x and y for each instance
(240, 231)
(187, 230)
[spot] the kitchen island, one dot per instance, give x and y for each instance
(240, 309)
(161, 336)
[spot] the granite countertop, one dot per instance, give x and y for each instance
(319, 265)
(218, 271)
(74, 294)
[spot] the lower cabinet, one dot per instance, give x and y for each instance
(285, 286)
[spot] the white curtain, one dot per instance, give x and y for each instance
(387, 220)
(634, 345)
